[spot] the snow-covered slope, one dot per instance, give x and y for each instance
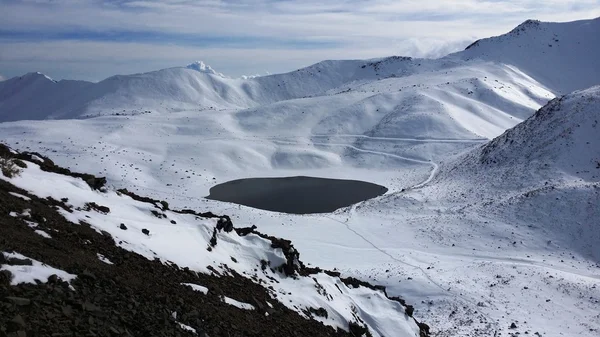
(551, 162)
(562, 56)
(516, 217)
(459, 247)
(560, 143)
(450, 100)
(475, 246)
(546, 169)
(213, 246)
(446, 100)
(36, 96)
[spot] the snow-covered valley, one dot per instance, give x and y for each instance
(475, 233)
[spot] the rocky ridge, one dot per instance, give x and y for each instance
(125, 294)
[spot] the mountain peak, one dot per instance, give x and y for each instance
(521, 28)
(525, 26)
(36, 75)
(551, 52)
(203, 68)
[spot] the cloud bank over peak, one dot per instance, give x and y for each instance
(203, 68)
(93, 39)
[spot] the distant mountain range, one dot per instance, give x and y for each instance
(558, 57)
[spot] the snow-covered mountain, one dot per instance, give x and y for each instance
(562, 56)
(482, 238)
(549, 166)
(37, 96)
(559, 143)
(196, 86)
(542, 51)
(517, 215)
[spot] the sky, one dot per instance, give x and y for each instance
(94, 39)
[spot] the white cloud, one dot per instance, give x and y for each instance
(272, 31)
(97, 60)
(289, 18)
(2, 78)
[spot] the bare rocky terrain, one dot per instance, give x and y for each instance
(131, 295)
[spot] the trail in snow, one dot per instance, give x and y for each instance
(474, 258)
(431, 176)
(415, 140)
(434, 171)
(351, 212)
(418, 161)
(427, 277)
(418, 140)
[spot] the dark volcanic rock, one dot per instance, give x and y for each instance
(5, 277)
(134, 296)
(20, 301)
(48, 165)
(15, 261)
(98, 208)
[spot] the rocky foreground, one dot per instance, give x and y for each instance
(129, 294)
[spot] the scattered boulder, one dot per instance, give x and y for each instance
(245, 230)
(98, 208)
(154, 202)
(15, 261)
(357, 329)
(5, 277)
(321, 312)
(19, 301)
(213, 239)
(95, 183)
(424, 329)
(19, 163)
(225, 224)
(158, 214)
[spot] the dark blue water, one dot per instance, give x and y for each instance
(296, 195)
